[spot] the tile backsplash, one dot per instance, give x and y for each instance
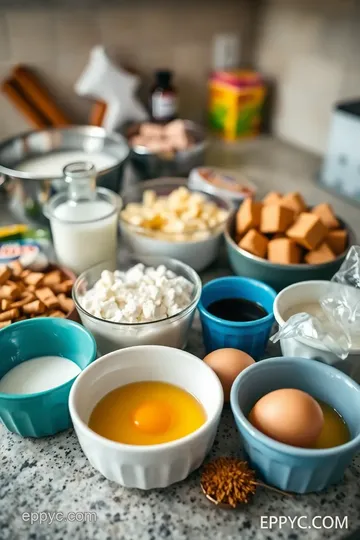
(310, 49)
(142, 35)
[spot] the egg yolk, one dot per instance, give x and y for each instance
(152, 417)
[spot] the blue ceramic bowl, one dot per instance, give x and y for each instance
(44, 413)
(250, 337)
(290, 468)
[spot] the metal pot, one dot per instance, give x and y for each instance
(28, 192)
(148, 165)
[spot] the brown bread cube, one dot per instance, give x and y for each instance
(284, 251)
(16, 268)
(63, 287)
(274, 197)
(325, 212)
(10, 290)
(248, 216)
(321, 254)
(337, 241)
(254, 243)
(308, 231)
(5, 304)
(52, 278)
(275, 218)
(66, 303)
(25, 298)
(34, 278)
(5, 274)
(47, 297)
(25, 273)
(294, 201)
(34, 308)
(9, 315)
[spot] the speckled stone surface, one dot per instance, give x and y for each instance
(53, 475)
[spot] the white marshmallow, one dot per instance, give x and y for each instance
(139, 295)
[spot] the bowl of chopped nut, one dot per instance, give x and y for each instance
(26, 293)
(148, 300)
(164, 217)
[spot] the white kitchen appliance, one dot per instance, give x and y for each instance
(341, 168)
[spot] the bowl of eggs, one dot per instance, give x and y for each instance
(147, 300)
(165, 217)
(40, 359)
(299, 421)
(146, 416)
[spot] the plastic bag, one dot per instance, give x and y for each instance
(336, 324)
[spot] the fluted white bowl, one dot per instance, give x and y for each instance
(155, 466)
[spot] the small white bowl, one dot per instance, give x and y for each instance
(227, 183)
(300, 293)
(198, 249)
(146, 467)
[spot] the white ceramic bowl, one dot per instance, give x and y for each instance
(110, 336)
(311, 291)
(160, 465)
(198, 249)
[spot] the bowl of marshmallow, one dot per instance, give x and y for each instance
(146, 300)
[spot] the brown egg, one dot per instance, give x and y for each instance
(289, 416)
(227, 364)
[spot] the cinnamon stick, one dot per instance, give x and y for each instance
(15, 95)
(40, 97)
(97, 113)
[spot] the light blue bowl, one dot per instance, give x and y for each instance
(250, 337)
(287, 467)
(44, 413)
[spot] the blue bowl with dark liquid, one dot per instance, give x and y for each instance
(248, 336)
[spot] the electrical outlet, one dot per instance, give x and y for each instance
(226, 51)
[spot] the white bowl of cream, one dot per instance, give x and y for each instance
(304, 297)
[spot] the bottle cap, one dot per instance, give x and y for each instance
(164, 76)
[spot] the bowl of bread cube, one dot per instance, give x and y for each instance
(281, 240)
(165, 217)
(26, 293)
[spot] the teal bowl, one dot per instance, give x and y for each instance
(278, 276)
(43, 413)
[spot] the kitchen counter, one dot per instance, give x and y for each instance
(52, 474)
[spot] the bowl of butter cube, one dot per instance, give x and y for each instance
(164, 217)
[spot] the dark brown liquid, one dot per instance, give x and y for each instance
(237, 310)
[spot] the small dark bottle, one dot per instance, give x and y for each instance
(163, 98)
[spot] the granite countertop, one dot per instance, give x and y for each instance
(52, 474)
